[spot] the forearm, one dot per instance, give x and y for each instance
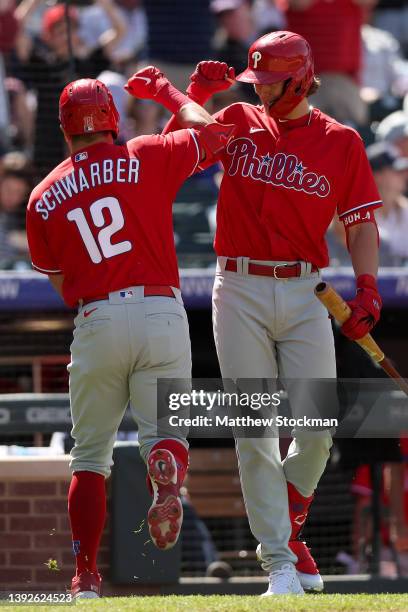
(23, 44)
(112, 37)
(24, 10)
(363, 247)
(175, 122)
(191, 115)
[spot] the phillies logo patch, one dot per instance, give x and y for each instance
(256, 56)
(281, 169)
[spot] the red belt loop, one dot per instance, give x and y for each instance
(149, 291)
(280, 271)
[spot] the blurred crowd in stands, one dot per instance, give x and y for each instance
(361, 55)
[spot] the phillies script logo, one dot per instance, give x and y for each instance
(282, 170)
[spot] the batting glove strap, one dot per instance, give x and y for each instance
(214, 137)
(208, 78)
(366, 308)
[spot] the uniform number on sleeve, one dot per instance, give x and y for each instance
(102, 246)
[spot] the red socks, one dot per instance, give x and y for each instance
(298, 509)
(87, 512)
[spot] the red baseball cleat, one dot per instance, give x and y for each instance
(306, 567)
(166, 512)
(86, 586)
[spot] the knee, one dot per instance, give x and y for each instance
(318, 443)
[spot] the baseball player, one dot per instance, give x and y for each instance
(287, 171)
(100, 226)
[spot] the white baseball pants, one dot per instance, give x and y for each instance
(264, 328)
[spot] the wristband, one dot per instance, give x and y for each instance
(198, 94)
(171, 98)
(367, 281)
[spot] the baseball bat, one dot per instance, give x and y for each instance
(341, 311)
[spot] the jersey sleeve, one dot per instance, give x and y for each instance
(174, 157)
(41, 257)
(359, 196)
(221, 117)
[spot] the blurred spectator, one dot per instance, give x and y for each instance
(179, 36)
(8, 26)
(4, 108)
(333, 30)
(46, 66)
(338, 253)
(95, 21)
(16, 184)
(8, 33)
(21, 113)
(384, 77)
(394, 519)
(390, 174)
(268, 16)
(336, 243)
(392, 15)
(236, 32)
(394, 130)
(116, 82)
(143, 117)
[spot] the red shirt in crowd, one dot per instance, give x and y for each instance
(333, 30)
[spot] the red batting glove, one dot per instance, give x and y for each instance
(146, 83)
(151, 84)
(366, 308)
(208, 78)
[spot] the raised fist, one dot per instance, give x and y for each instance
(208, 78)
(146, 83)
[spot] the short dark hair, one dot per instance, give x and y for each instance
(314, 86)
(90, 137)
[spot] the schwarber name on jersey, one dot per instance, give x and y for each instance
(108, 208)
(283, 183)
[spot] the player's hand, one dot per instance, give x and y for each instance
(366, 308)
(208, 78)
(146, 83)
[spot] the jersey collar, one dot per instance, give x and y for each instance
(284, 125)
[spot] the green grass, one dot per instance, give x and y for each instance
(226, 603)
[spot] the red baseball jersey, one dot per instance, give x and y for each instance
(283, 183)
(103, 217)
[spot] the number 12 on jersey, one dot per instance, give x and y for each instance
(102, 247)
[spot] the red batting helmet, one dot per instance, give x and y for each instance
(86, 106)
(281, 56)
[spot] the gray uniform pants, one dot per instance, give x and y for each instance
(121, 347)
(264, 328)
